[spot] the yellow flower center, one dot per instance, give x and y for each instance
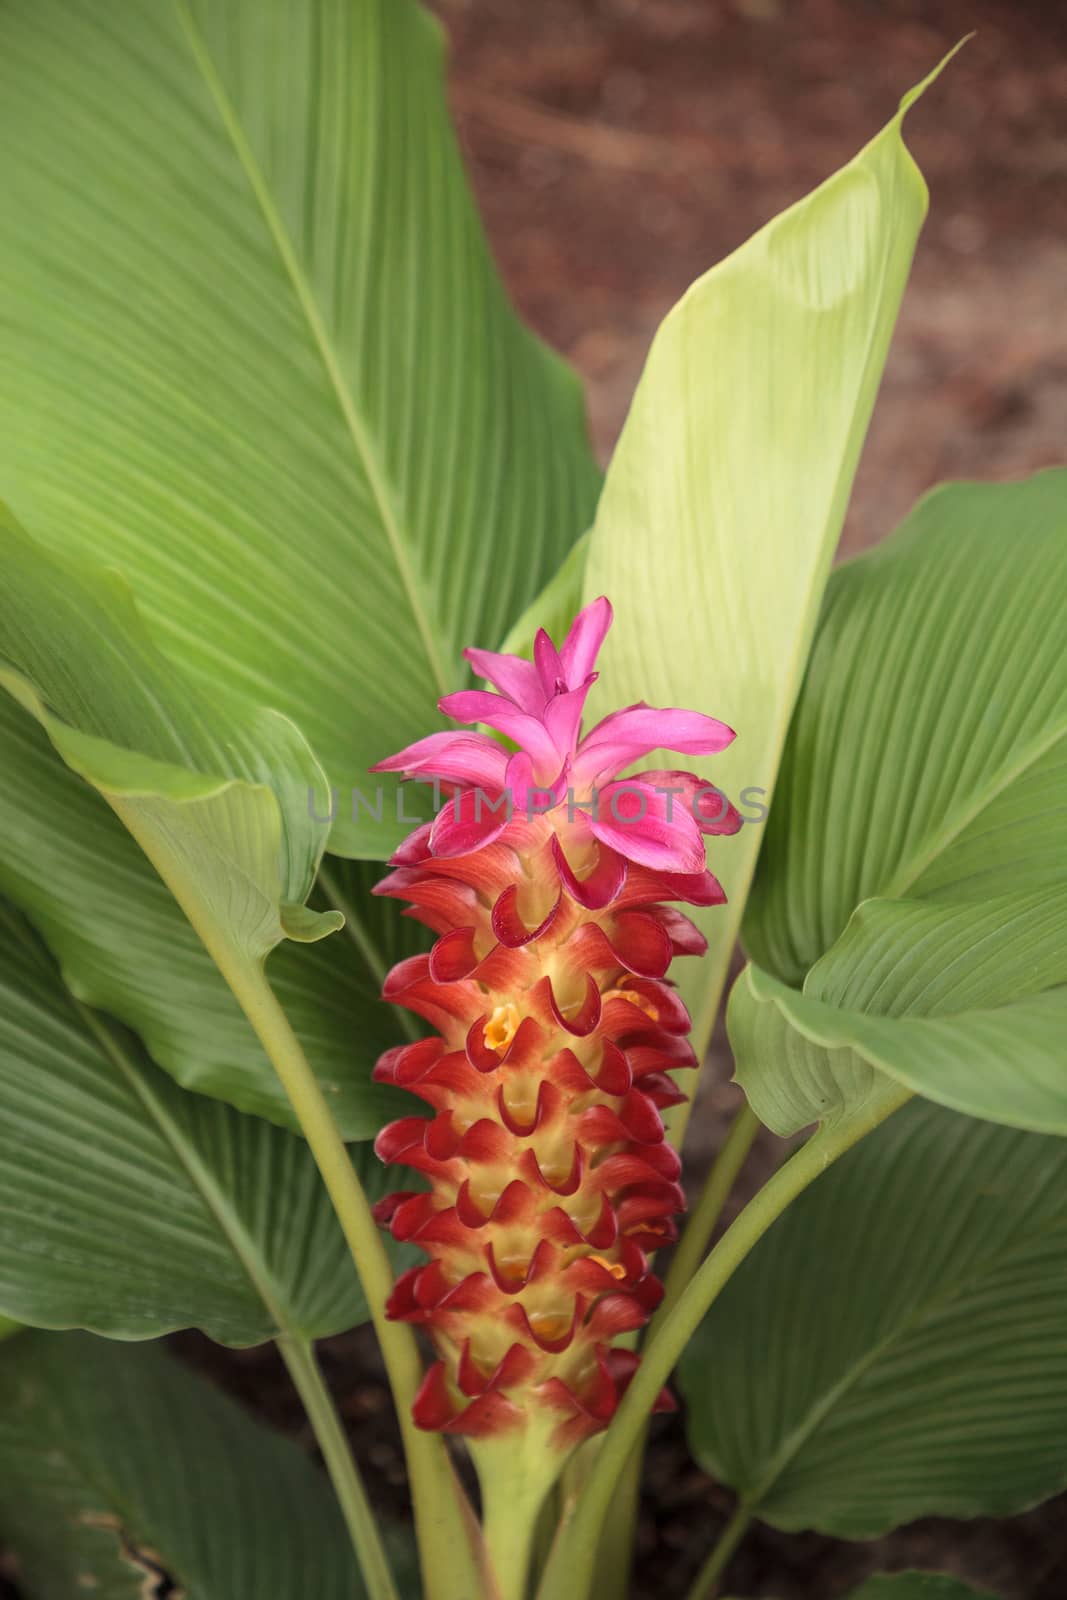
(501, 1028)
(614, 1267)
(639, 1000)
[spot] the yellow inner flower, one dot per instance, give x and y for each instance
(501, 1027)
(639, 1000)
(614, 1267)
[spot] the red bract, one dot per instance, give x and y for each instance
(555, 1029)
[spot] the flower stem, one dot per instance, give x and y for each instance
(449, 1568)
(571, 1564)
(369, 953)
(697, 1233)
(299, 1357)
(516, 1478)
(616, 1546)
(706, 1581)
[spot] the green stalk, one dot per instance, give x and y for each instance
(368, 950)
(442, 1523)
(696, 1235)
(707, 1579)
(299, 1357)
(516, 1477)
(295, 1348)
(615, 1556)
(570, 1568)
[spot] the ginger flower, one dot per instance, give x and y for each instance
(547, 880)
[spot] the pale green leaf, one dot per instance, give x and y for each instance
(132, 1207)
(257, 357)
(894, 1347)
(216, 795)
(727, 491)
(126, 947)
(124, 1475)
(555, 608)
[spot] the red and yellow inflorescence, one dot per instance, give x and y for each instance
(546, 881)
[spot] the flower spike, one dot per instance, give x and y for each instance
(546, 880)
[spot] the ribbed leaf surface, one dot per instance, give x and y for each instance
(894, 1347)
(258, 359)
(126, 1476)
(928, 755)
(964, 1004)
(916, 862)
(131, 1207)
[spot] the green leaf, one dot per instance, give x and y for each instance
(928, 755)
(133, 1208)
(121, 1471)
(555, 608)
(916, 859)
(967, 1006)
(126, 947)
(727, 491)
(217, 798)
(894, 1347)
(918, 1586)
(260, 360)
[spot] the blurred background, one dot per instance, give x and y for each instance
(619, 148)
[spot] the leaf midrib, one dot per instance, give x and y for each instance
(822, 1408)
(383, 492)
(907, 875)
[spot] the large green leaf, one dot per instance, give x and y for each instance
(916, 859)
(966, 1005)
(123, 1474)
(257, 356)
(132, 1207)
(894, 1347)
(727, 491)
(928, 754)
(125, 947)
(918, 1586)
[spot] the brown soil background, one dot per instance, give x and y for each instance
(618, 149)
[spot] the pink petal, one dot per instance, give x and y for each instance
(563, 718)
(468, 822)
(514, 676)
(519, 779)
(709, 807)
(455, 757)
(633, 819)
(529, 732)
(582, 644)
(626, 736)
(550, 668)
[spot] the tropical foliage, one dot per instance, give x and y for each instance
(287, 483)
